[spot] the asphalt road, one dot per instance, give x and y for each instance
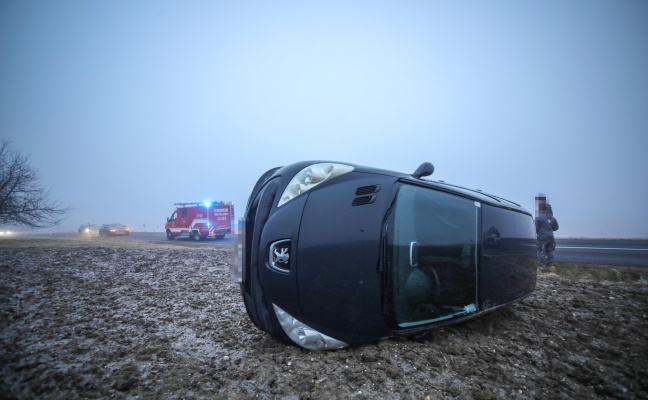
(623, 252)
(161, 237)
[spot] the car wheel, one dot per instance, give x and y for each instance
(169, 235)
(196, 236)
(220, 236)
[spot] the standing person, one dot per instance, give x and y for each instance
(546, 224)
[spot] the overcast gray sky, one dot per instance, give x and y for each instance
(126, 107)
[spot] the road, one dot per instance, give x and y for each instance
(602, 251)
(161, 237)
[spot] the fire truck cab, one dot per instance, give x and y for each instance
(200, 220)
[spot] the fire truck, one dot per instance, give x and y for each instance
(201, 220)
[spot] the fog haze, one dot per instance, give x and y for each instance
(128, 107)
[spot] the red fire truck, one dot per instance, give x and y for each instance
(201, 220)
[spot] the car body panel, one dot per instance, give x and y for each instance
(351, 306)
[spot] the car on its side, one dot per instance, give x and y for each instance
(88, 229)
(336, 254)
(113, 229)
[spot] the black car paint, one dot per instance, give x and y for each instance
(336, 281)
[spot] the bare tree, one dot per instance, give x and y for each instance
(22, 199)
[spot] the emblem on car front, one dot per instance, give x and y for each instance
(280, 255)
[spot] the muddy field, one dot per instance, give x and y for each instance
(125, 320)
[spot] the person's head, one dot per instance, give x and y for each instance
(541, 204)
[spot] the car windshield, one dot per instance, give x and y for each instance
(432, 253)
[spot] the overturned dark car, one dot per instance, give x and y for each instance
(335, 254)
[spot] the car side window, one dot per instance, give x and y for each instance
(184, 212)
(433, 256)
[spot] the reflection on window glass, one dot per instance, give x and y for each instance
(432, 251)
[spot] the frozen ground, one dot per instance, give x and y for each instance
(113, 318)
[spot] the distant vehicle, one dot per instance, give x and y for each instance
(335, 254)
(114, 229)
(201, 220)
(88, 229)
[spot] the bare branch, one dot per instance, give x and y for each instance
(23, 201)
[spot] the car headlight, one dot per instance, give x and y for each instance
(311, 176)
(304, 335)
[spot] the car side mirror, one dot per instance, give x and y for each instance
(168, 219)
(424, 169)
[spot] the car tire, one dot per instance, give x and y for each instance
(196, 236)
(220, 236)
(258, 307)
(169, 235)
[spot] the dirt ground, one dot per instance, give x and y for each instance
(113, 318)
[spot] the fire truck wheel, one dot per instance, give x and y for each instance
(196, 235)
(219, 236)
(169, 235)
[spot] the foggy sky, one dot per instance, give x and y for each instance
(128, 107)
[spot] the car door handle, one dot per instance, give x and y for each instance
(413, 254)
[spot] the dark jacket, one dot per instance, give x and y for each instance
(546, 224)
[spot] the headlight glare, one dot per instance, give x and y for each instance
(310, 177)
(305, 336)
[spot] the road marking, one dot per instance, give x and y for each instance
(600, 248)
